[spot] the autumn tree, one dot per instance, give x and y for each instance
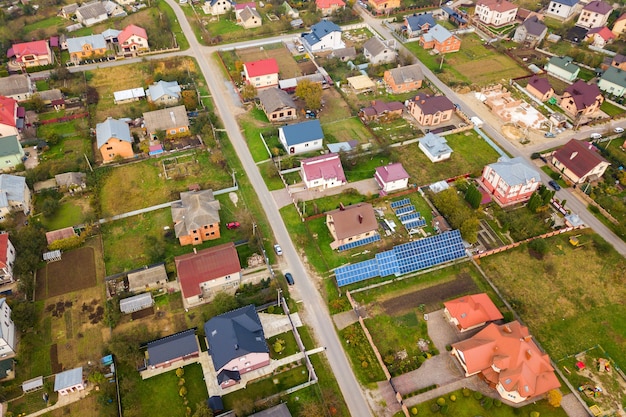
(203, 410)
(311, 93)
(248, 92)
(554, 398)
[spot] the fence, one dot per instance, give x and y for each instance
(64, 118)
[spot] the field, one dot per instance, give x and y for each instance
(72, 211)
(75, 272)
(344, 130)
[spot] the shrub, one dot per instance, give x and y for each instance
(487, 403)
(414, 411)
(434, 407)
(466, 392)
(364, 364)
(453, 398)
(441, 401)
(180, 372)
(478, 395)
(448, 348)
(444, 409)
(534, 414)
(497, 403)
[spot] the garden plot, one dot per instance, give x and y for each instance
(75, 271)
(289, 68)
(180, 166)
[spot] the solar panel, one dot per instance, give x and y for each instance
(408, 217)
(357, 243)
(387, 263)
(356, 272)
(415, 224)
(405, 210)
(400, 203)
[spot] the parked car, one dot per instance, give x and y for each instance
(554, 185)
(549, 135)
(232, 225)
(596, 136)
(289, 278)
(278, 249)
(618, 130)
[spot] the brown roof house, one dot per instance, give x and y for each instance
(580, 162)
(173, 120)
(581, 98)
(471, 311)
(196, 217)
(381, 111)
(540, 88)
(352, 226)
(431, 110)
(404, 79)
(277, 105)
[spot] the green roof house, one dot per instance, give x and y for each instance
(562, 67)
(613, 81)
(11, 152)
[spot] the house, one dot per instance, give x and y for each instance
(562, 67)
(236, 343)
(32, 385)
(7, 329)
(496, 12)
(322, 172)
(7, 259)
(594, 15)
(456, 17)
(262, 73)
(581, 98)
(32, 54)
(11, 152)
(431, 110)
(173, 121)
(440, 39)
(404, 79)
(416, 24)
(133, 39)
(352, 226)
(130, 95)
(277, 105)
(60, 234)
(328, 7)
(381, 111)
(383, 6)
(280, 410)
(471, 311)
(204, 273)
(619, 61)
(114, 140)
(599, 37)
(196, 217)
(324, 35)
(619, 27)
(435, 147)
(69, 10)
(14, 195)
(69, 381)
(111, 35)
(53, 98)
(580, 162)
(248, 17)
(344, 54)
(9, 117)
(561, 9)
(532, 31)
(508, 360)
(164, 93)
(510, 181)
(147, 279)
(613, 81)
(172, 350)
(135, 303)
(90, 14)
(218, 7)
(86, 47)
(302, 137)
(18, 87)
(379, 52)
(391, 177)
(71, 180)
(540, 88)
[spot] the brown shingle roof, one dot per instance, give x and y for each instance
(353, 220)
(579, 157)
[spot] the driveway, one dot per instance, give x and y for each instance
(32, 160)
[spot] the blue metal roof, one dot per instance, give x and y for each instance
(171, 347)
(112, 128)
(416, 21)
(68, 379)
(302, 132)
(319, 30)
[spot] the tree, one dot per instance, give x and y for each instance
(203, 410)
(473, 196)
(311, 93)
(24, 315)
(36, 103)
(311, 409)
(534, 202)
(190, 100)
(160, 134)
(248, 92)
(91, 95)
(554, 398)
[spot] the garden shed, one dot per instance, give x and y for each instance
(147, 278)
(32, 384)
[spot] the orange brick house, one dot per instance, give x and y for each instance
(381, 6)
(540, 88)
(196, 217)
(404, 79)
(440, 39)
(114, 140)
(581, 98)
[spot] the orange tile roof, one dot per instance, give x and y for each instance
(472, 310)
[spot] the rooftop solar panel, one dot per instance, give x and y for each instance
(357, 243)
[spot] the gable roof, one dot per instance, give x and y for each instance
(392, 172)
(136, 303)
(565, 63)
(131, 93)
(604, 32)
(323, 166)
(131, 30)
(534, 25)
(12, 189)
(280, 410)
(174, 346)
(473, 309)
(8, 108)
(69, 378)
(497, 5)
(540, 84)
(92, 10)
(583, 94)
(68, 179)
(435, 145)
(569, 3)
(614, 75)
(234, 334)
(438, 33)
(4, 246)
(599, 7)
(273, 99)
(261, 67)
(303, 132)
(515, 171)
(165, 119)
(248, 13)
(76, 44)
(433, 104)
(579, 157)
(407, 74)
(353, 220)
(54, 235)
(194, 210)
(110, 34)
(112, 128)
(147, 277)
(211, 263)
(319, 30)
(374, 46)
(163, 88)
(241, 6)
(325, 4)
(619, 58)
(9, 146)
(380, 107)
(417, 21)
(31, 48)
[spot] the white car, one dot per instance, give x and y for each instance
(278, 249)
(596, 136)
(618, 130)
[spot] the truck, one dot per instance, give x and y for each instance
(476, 121)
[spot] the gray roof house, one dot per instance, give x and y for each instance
(302, 137)
(562, 67)
(71, 179)
(344, 54)
(14, 195)
(173, 120)
(194, 210)
(613, 81)
(18, 87)
(179, 346)
(435, 147)
(379, 52)
(69, 381)
(112, 128)
(418, 23)
(277, 104)
(533, 30)
(91, 13)
(280, 410)
(515, 171)
(164, 92)
(146, 279)
(75, 45)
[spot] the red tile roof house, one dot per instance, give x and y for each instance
(262, 73)
(507, 358)
(381, 111)
(7, 259)
(322, 172)
(471, 311)
(351, 224)
(392, 177)
(32, 54)
(8, 117)
(510, 181)
(600, 36)
(203, 273)
(431, 110)
(581, 98)
(580, 162)
(540, 88)
(60, 234)
(328, 7)
(133, 39)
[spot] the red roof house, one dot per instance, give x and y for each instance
(540, 88)
(580, 161)
(33, 54)
(8, 117)
(328, 7)
(203, 273)
(262, 73)
(391, 177)
(7, 259)
(471, 311)
(324, 171)
(60, 234)
(600, 36)
(133, 38)
(508, 359)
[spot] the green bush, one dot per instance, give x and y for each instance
(497, 403)
(414, 411)
(466, 392)
(534, 414)
(441, 401)
(478, 395)
(487, 403)
(434, 408)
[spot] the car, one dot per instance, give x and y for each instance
(596, 136)
(278, 249)
(554, 185)
(300, 48)
(232, 225)
(549, 135)
(449, 3)
(618, 130)
(289, 278)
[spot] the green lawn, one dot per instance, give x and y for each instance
(611, 109)
(364, 166)
(345, 130)
(53, 22)
(181, 39)
(289, 346)
(69, 214)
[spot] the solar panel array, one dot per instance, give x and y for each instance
(409, 217)
(405, 258)
(357, 243)
(414, 224)
(400, 203)
(405, 210)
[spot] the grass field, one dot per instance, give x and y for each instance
(72, 211)
(344, 130)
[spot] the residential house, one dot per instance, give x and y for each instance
(435, 147)
(594, 15)
(147, 279)
(431, 110)
(381, 111)
(236, 343)
(114, 140)
(613, 81)
(383, 6)
(90, 14)
(328, 7)
(457, 17)
(580, 162)
(507, 358)
(70, 381)
(562, 67)
(404, 79)
(172, 120)
(248, 17)
(532, 31)
(172, 350)
(262, 73)
(471, 311)
(17, 86)
(322, 172)
(391, 177)
(277, 105)
(135, 303)
(71, 180)
(496, 12)
(540, 88)
(14, 195)
(204, 273)
(86, 47)
(280, 410)
(416, 24)
(581, 98)
(9, 117)
(111, 35)
(196, 217)
(11, 152)
(7, 259)
(325, 35)
(69, 10)
(510, 180)
(60, 234)
(561, 9)
(440, 39)
(164, 93)
(133, 39)
(619, 27)
(32, 54)
(344, 54)
(380, 52)
(7, 330)
(619, 61)
(302, 137)
(53, 98)
(352, 225)
(599, 37)
(218, 7)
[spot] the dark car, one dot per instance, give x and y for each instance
(232, 225)
(289, 278)
(554, 185)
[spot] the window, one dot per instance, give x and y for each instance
(109, 148)
(173, 132)
(181, 130)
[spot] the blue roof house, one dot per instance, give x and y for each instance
(14, 195)
(164, 92)
(170, 350)
(69, 381)
(302, 137)
(416, 24)
(324, 36)
(435, 147)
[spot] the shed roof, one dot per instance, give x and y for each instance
(15, 84)
(69, 378)
(32, 384)
(361, 82)
(164, 119)
(92, 10)
(136, 302)
(147, 277)
(129, 94)
(68, 179)
(8, 108)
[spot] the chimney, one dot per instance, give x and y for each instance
(527, 338)
(236, 346)
(529, 354)
(360, 219)
(573, 155)
(507, 329)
